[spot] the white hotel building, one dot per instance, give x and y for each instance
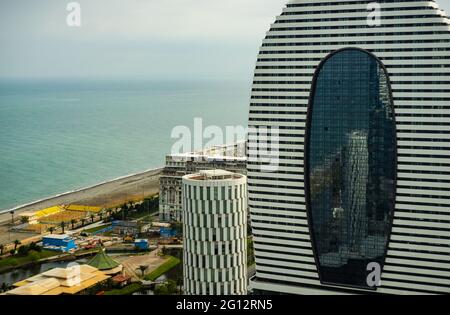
(215, 233)
(328, 78)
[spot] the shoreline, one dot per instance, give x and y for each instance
(103, 194)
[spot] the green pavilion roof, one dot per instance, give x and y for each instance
(102, 261)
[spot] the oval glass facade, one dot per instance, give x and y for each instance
(351, 164)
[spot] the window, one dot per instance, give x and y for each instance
(351, 166)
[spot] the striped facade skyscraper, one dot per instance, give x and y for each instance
(328, 71)
(215, 233)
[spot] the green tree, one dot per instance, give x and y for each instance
(73, 222)
(143, 268)
(34, 256)
(34, 247)
(2, 248)
(16, 243)
(161, 290)
(171, 286)
(23, 250)
(24, 220)
(83, 221)
(92, 216)
(250, 252)
(51, 229)
(63, 225)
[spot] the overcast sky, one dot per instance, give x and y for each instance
(154, 39)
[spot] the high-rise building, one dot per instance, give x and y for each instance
(231, 157)
(215, 233)
(358, 94)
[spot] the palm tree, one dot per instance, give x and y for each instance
(51, 229)
(143, 268)
(16, 243)
(63, 225)
(101, 215)
(2, 248)
(73, 222)
(92, 218)
(83, 221)
(12, 216)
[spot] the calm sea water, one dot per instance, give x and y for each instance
(57, 136)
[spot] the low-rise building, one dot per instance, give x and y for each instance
(61, 281)
(126, 227)
(142, 244)
(121, 281)
(104, 263)
(63, 243)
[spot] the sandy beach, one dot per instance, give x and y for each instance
(109, 194)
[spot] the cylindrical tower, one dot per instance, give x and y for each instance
(215, 233)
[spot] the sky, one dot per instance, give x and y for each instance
(151, 39)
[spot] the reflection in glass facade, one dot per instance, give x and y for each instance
(351, 159)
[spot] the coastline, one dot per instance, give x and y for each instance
(105, 194)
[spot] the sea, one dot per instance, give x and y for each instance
(62, 135)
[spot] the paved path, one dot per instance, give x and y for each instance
(131, 263)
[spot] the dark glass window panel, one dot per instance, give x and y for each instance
(351, 166)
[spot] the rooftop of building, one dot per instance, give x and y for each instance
(57, 236)
(215, 175)
(70, 280)
(228, 152)
(103, 262)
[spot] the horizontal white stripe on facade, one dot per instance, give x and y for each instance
(276, 220)
(423, 200)
(423, 216)
(304, 262)
(406, 286)
(396, 239)
(437, 19)
(437, 209)
(282, 234)
(282, 228)
(418, 231)
(407, 255)
(419, 271)
(423, 192)
(414, 263)
(423, 279)
(276, 244)
(428, 224)
(288, 271)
